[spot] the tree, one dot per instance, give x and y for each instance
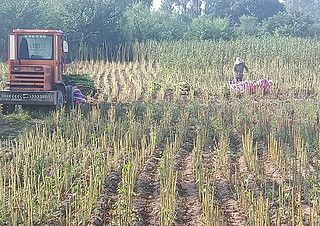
(234, 9)
(208, 27)
(140, 24)
(261, 9)
(309, 7)
(314, 30)
(287, 24)
(195, 8)
(91, 21)
(25, 14)
(248, 26)
(221, 8)
(192, 8)
(167, 5)
(148, 3)
(209, 6)
(182, 5)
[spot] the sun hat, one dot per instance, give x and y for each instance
(238, 60)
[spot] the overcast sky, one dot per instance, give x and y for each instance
(156, 4)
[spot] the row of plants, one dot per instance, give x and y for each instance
(57, 170)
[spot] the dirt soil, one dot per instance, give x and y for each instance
(146, 205)
(232, 213)
(188, 204)
(103, 214)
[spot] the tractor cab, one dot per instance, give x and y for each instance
(36, 60)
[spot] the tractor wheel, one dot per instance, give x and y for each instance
(60, 101)
(70, 102)
(8, 109)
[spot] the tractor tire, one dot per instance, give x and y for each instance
(70, 102)
(60, 101)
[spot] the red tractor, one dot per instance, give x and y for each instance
(35, 59)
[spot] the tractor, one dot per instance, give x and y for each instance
(36, 63)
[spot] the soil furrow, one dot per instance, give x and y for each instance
(188, 205)
(233, 215)
(103, 215)
(146, 204)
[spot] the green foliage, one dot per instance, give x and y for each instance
(248, 26)
(83, 81)
(310, 8)
(235, 9)
(20, 117)
(287, 24)
(261, 9)
(140, 24)
(207, 27)
(3, 75)
(13, 124)
(22, 14)
(109, 24)
(91, 23)
(314, 30)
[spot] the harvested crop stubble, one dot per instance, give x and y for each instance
(255, 159)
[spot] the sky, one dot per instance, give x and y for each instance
(156, 4)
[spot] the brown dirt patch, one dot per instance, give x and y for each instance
(146, 204)
(102, 215)
(188, 205)
(232, 213)
(168, 96)
(271, 169)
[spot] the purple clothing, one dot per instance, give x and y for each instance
(78, 96)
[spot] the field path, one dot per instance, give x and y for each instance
(232, 213)
(146, 204)
(188, 206)
(103, 214)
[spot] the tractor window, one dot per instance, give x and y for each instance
(35, 47)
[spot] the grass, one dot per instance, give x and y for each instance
(15, 123)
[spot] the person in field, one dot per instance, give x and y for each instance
(238, 69)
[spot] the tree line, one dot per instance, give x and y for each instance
(97, 22)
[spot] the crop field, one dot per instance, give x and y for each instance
(164, 142)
